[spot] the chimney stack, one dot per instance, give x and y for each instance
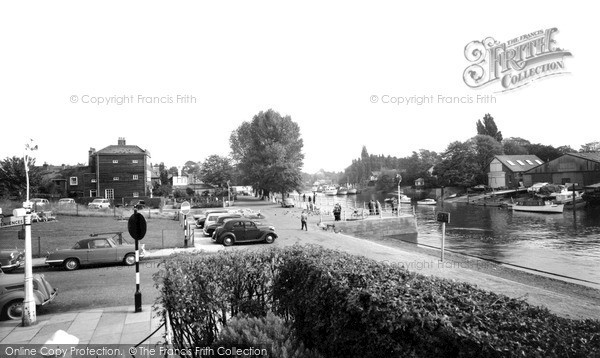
(121, 141)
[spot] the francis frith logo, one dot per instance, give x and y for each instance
(514, 63)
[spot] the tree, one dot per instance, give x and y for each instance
(217, 170)
(590, 147)
(12, 177)
(458, 165)
(544, 152)
(488, 127)
(268, 152)
(191, 168)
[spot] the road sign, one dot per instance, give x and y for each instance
(443, 217)
(137, 226)
(185, 208)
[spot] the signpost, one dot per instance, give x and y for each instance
(137, 229)
(444, 218)
(185, 210)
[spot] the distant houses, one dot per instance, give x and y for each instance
(507, 171)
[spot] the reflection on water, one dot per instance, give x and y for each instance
(556, 243)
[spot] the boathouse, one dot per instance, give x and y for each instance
(506, 171)
(580, 168)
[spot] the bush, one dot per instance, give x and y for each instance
(347, 306)
(270, 333)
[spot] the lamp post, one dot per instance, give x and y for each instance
(29, 313)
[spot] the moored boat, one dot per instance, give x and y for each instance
(330, 191)
(538, 206)
(427, 202)
(342, 191)
(352, 191)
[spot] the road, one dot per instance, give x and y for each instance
(99, 286)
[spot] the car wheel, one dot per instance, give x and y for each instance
(13, 310)
(71, 264)
(227, 241)
(129, 259)
(269, 239)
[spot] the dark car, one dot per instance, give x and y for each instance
(11, 260)
(12, 294)
(95, 250)
(242, 230)
(139, 205)
(209, 229)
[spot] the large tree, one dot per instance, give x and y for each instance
(217, 170)
(590, 147)
(488, 127)
(458, 166)
(268, 152)
(12, 177)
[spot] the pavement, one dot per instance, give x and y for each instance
(120, 325)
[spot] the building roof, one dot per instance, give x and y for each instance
(519, 163)
(593, 156)
(123, 149)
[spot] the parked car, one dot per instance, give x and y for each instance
(209, 229)
(39, 204)
(201, 219)
(288, 203)
(242, 230)
(139, 204)
(66, 202)
(99, 204)
(95, 250)
(12, 294)
(11, 260)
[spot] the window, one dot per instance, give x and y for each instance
(136, 194)
(115, 178)
(109, 193)
(73, 181)
(538, 161)
(529, 161)
(520, 162)
(115, 161)
(510, 162)
(93, 180)
(135, 177)
(134, 161)
(93, 193)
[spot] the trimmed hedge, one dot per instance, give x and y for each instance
(347, 306)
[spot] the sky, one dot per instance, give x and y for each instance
(339, 69)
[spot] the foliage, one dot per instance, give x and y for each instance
(544, 152)
(590, 147)
(13, 180)
(268, 151)
(162, 190)
(488, 127)
(458, 167)
(217, 170)
(270, 332)
(350, 306)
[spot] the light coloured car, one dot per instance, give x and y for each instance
(39, 204)
(97, 249)
(12, 294)
(66, 202)
(99, 204)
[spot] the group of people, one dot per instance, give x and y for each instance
(374, 207)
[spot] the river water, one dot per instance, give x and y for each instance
(560, 244)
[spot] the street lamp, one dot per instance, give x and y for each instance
(29, 313)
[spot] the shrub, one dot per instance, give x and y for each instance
(270, 333)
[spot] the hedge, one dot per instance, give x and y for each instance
(348, 306)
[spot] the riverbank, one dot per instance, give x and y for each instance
(563, 298)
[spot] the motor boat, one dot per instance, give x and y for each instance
(538, 206)
(427, 202)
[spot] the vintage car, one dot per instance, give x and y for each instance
(209, 229)
(10, 260)
(242, 230)
(66, 202)
(95, 250)
(99, 204)
(288, 203)
(201, 219)
(39, 204)
(12, 293)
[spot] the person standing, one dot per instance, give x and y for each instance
(303, 220)
(377, 207)
(304, 197)
(371, 204)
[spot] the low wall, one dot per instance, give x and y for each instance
(405, 225)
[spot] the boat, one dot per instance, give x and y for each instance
(538, 206)
(342, 191)
(566, 197)
(330, 190)
(427, 202)
(352, 191)
(405, 199)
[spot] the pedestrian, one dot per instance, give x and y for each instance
(304, 197)
(303, 220)
(337, 211)
(371, 208)
(315, 198)
(377, 207)
(392, 203)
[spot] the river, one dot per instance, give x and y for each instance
(559, 244)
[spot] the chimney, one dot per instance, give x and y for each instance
(121, 141)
